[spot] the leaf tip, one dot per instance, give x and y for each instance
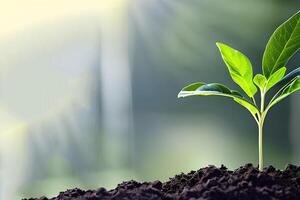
(219, 44)
(181, 94)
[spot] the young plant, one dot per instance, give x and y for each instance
(282, 45)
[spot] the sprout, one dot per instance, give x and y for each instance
(282, 45)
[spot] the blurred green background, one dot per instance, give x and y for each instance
(88, 91)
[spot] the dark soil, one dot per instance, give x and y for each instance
(210, 183)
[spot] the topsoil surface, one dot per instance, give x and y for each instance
(210, 183)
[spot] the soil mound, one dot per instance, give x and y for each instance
(210, 183)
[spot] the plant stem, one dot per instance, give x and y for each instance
(262, 102)
(253, 100)
(260, 143)
(256, 115)
(260, 131)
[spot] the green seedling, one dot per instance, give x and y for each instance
(282, 45)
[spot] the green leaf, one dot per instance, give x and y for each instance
(260, 80)
(275, 77)
(250, 107)
(295, 86)
(193, 87)
(284, 42)
(239, 67)
(216, 89)
(265, 84)
(287, 78)
(292, 87)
